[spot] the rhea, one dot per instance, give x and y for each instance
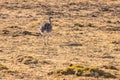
(45, 30)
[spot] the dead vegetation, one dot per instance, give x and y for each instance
(80, 70)
(27, 59)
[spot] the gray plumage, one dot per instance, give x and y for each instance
(46, 27)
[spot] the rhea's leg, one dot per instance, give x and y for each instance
(45, 39)
(48, 36)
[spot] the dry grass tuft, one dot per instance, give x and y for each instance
(110, 67)
(27, 59)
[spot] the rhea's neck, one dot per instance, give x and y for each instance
(50, 21)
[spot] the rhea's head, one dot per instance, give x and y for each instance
(50, 17)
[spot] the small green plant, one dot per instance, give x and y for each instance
(2, 67)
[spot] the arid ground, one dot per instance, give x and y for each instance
(85, 32)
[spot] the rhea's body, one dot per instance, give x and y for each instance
(46, 27)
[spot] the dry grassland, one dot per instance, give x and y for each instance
(85, 32)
